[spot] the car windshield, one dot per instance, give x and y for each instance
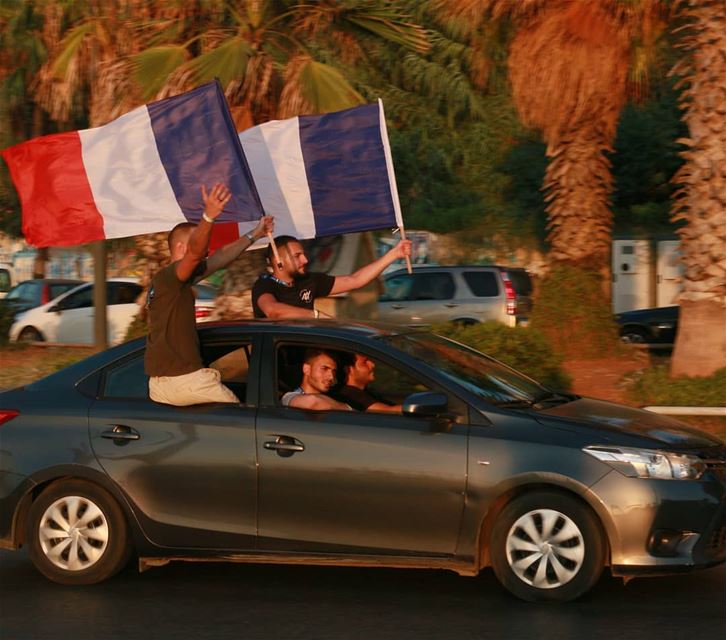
(480, 374)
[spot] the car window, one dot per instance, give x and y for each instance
(123, 292)
(57, 289)
(233, 363)
(127, 380)
(432, 286)
(483, 284)
(78, 300)
(389, 385)
(205, 292)
(4, 280)
(397, 288)
(521, 282)
(22, 292)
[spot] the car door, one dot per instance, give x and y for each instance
(72, 318)
(356, 482)
(190, 471)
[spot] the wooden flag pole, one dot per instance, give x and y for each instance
(278, 262)
(402, 231)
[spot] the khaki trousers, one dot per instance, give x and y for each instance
(197, 387)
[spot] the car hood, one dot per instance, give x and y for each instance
(617, 418)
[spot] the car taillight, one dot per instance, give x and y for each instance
(511, 297)
(202, 312)
(8, 414)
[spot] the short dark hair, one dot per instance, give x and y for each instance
(280, 242)
(171, 238)
(312, 353)
(347, 361)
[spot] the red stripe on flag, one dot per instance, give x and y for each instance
(58, 205)
(223, 233)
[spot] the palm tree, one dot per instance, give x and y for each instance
(700, 347)
(571, 66)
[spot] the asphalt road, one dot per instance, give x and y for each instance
(247, 602)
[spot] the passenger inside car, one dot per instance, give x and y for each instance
(319, 369)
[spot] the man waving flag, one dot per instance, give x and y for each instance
(138, 174)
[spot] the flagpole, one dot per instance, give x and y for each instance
(402, 231)
(278, 262)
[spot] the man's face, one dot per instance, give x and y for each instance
(293, 260)
(319, 374)
(362, 371)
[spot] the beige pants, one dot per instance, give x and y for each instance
(197, 387)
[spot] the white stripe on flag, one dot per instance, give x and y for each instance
(126, 175)
(389, 165)
(275, 158)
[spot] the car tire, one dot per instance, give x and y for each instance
(30, 334)
(92, 542)
(547, 547)
(634, 335)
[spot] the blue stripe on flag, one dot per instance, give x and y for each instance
(346, 171)
(198, 144)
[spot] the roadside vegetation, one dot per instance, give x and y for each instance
(654, 386)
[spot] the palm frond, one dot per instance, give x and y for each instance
(227, 62)
(69, 48)
(152, 68)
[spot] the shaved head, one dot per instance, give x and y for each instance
(180, 232)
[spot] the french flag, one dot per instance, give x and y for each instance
(322, 175)
(141, 173)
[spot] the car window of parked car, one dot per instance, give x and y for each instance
(123, 292)
(4, 280)
(483, 284)
(432, 286)
(58, 289)
(126, 380)
(521, 282)
(483, 376)
(22, 292)
(397, 288)
(78, 300)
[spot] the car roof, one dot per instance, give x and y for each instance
(330, 327)
(435, 267)
(52, 281)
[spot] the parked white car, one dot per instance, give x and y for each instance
(69, 317)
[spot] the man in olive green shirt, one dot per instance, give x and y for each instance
(172, 360)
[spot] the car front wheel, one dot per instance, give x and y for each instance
(547, 547)
(77, 533)
(30, 334)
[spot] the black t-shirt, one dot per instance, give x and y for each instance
(359, 399)
(301, 293)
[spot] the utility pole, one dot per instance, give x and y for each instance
(100, 329)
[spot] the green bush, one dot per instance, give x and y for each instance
(522, 348)
(655, 387)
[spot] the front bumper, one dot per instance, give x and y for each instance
(640, 513)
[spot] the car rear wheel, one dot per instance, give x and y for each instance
(633, 335)
(30, 334)
(77, 533)
(547, 547)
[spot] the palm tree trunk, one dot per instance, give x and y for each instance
(700, 347)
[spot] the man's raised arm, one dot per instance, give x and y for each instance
(365, 274)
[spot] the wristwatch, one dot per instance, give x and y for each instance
(250, 236)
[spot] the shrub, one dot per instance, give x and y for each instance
(655, 387)
(522, 348)
(572, 311)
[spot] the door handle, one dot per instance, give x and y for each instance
(121, 432)
(285, 446)
(451, 304)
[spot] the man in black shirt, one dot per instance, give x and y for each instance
(290, 291)
(359, 373)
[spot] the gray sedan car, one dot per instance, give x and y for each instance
(482, 467)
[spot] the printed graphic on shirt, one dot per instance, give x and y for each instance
(306, 295)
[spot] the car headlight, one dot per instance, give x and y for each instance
(649, 463)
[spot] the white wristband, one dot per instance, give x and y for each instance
(316, 313)
(207, 218)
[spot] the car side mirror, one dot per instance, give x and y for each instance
(425, 404)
